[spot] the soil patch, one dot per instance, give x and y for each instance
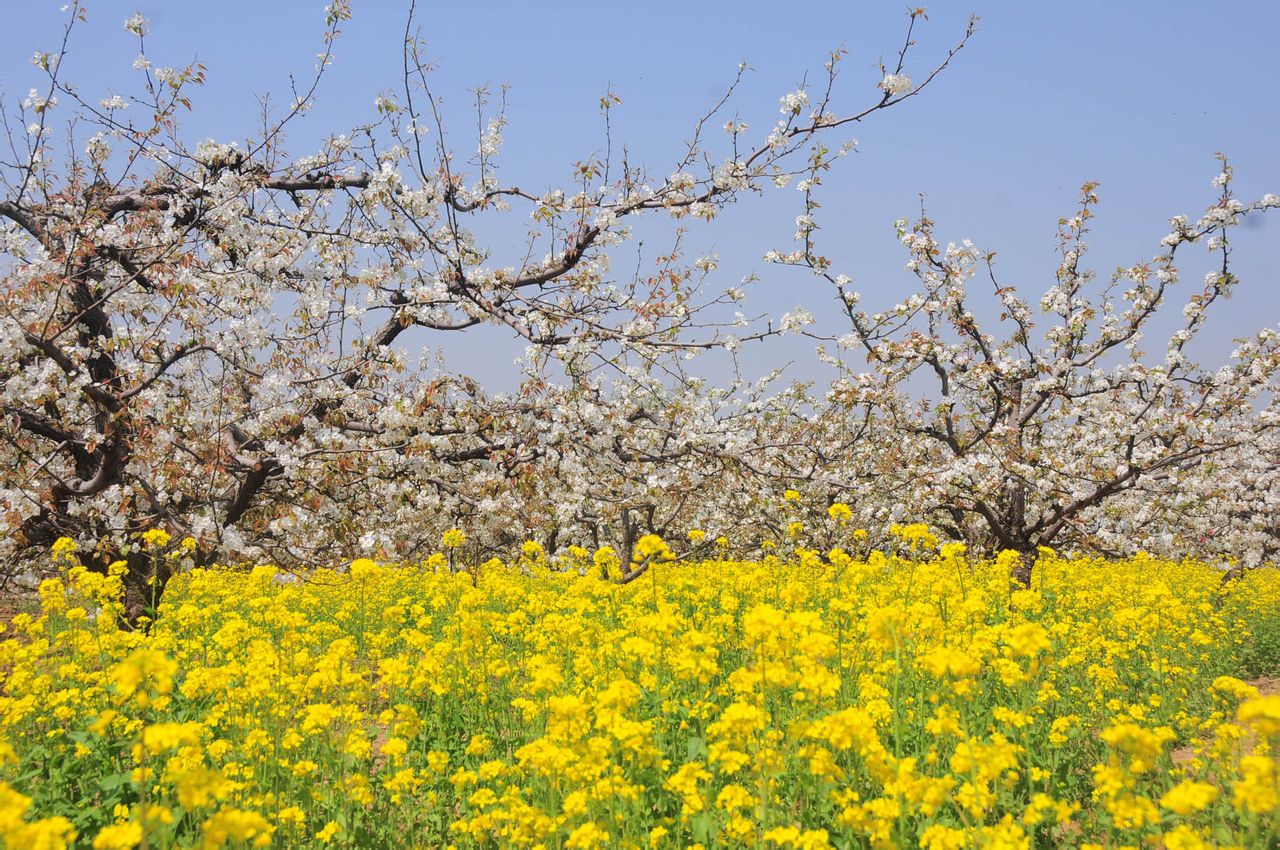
(11, 605)
(1266, 685)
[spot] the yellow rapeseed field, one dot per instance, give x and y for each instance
(807, 701)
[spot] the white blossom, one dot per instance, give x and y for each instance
(137, 24)
(792, 102)
(895, 84)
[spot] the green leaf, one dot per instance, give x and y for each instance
(703, 827)
(113, 781)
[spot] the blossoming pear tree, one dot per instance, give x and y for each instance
(1016, 428)
(210, 337)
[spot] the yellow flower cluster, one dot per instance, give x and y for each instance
(810, 703)
(651, 547)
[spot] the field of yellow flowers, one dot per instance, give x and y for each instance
(803, 701)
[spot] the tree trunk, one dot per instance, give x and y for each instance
(144, 584)
(1020, 573)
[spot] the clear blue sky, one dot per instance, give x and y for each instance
(1138, 96)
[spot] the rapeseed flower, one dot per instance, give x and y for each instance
(805, 700)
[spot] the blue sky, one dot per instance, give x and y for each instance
(1138, 96)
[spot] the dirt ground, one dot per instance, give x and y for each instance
(12, 605)
(1266, 685)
